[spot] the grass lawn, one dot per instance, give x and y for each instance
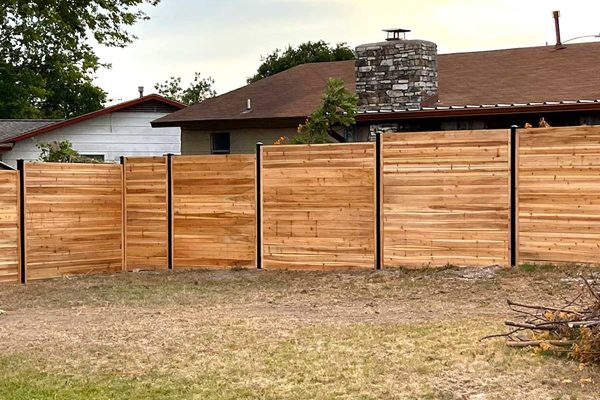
(282, 335)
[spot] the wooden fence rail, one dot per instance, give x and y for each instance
(445, 198)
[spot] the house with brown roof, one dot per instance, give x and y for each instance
(105, 134)
(404, 85)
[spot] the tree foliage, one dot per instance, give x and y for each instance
(62, 152)
(309, 52)
(339, 108)
(46, 57)
(199, 89)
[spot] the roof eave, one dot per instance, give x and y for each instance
(232, 123)
(469, 112)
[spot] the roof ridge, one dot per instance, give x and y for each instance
(548, 46)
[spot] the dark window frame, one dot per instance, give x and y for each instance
(222, 150)
(101, 158)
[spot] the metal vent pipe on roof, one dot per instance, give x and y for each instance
(141, 90)
(556, 15)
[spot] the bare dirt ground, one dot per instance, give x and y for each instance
(268, 335)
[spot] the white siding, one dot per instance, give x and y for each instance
(112, 135)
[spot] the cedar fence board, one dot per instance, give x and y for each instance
(145, 213)
(318, 206)
(213, 211)
(73, 219)
(445, 198)
(9, 227)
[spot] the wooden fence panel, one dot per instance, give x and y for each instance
(318, 206)
(9, 226)
(146, 225)
(213, 207)
(446, 198)
(559, 195)
(73, 219)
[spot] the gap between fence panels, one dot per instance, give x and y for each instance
(471, 198)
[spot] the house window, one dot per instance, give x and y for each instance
(590, 120)
(350, 134)
(219, 143)
(95, 157)
(462, 124)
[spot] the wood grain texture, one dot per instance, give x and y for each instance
(9, 226)
(145, 213)
(73, 219)
(445, 198)
(213, 207)
(318, 206)
(559, 195)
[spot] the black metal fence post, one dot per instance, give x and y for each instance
(513, 196)
(258, 208)
(22, 236)
(170, 211)
(378, 201)
(123, 213)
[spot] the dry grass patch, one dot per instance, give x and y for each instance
(270, 335)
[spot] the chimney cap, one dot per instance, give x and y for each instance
(394, 34)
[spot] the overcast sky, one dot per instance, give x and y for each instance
(226, 38)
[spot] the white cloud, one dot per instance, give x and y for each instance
(225, 39)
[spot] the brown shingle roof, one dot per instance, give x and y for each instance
(11, 128)
(525, 75)
(511, 76)
(292, 93)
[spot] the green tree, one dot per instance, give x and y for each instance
(199, 89)
(309, 52)
(339, 108)
(46, 57)
(62, 152)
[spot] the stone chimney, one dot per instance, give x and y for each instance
(396, 74)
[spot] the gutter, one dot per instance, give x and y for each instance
(232, 123)
(426, 112)
(468, 111)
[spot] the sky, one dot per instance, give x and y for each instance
(225, 39)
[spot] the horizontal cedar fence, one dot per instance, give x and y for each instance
(146, 225)
(318, 206)
(9, 226)
(214, 211)
(559, 195)
(73, 219)
(444, 198)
